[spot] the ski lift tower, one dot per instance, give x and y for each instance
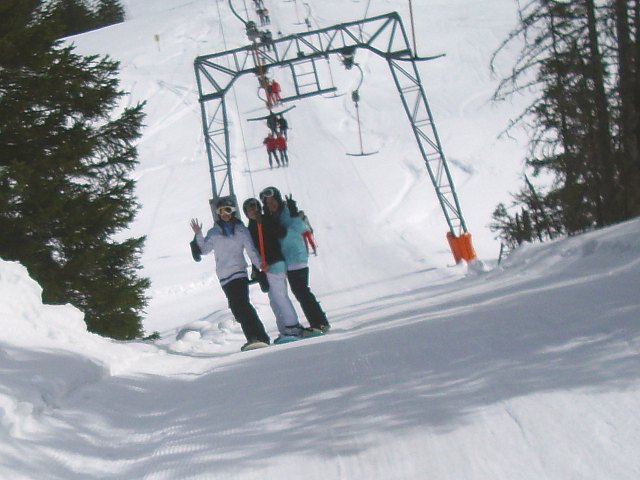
(298, 55)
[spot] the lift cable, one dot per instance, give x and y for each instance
(366, 12)
(264, 83)
(413, 29)
(252, 33)
(233, 10)
(235, 98)
(246, 9)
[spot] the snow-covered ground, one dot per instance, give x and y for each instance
(529, 370)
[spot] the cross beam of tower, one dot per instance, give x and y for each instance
(299, 55)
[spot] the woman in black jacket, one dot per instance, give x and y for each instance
(265, 232)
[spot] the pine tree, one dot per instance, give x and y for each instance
(579, 57)
(627, 51)
(73, 17)
(505, 225)
(65, 160)
(109, 12)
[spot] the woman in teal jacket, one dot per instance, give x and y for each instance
(295, 255)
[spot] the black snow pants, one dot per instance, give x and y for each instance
(299, 284)
(237, 292)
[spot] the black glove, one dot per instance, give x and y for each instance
(292, 206)
(260, 277)
(196, 253)
(263, 281)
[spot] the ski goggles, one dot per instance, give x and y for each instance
(266, 193)
(225, 209)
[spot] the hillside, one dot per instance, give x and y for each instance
(526, 371)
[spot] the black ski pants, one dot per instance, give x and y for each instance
(284, 156)
(273, 154)
(299, 283)
(237, 292)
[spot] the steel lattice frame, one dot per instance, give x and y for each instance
(383, 35)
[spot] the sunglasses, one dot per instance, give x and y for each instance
(228, 210)
(266, 193)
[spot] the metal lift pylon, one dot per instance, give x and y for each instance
(383, 35)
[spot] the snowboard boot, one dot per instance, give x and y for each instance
(254, 343)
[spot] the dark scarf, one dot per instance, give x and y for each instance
(228, 228)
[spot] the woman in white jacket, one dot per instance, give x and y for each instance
(229, 239)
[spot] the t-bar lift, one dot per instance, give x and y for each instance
(383, 35)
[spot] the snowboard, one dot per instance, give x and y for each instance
(292, 338)
(254, 346)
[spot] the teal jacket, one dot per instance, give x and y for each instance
(292, 244)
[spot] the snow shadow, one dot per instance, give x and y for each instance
(336, 396)
(33, 385)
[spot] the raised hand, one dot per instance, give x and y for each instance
(196, 226)
(291, 205)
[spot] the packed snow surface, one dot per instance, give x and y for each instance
(526, 370)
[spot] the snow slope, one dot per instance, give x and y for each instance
(530, 371)
(527, 371)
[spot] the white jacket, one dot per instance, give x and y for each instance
(229, 251)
